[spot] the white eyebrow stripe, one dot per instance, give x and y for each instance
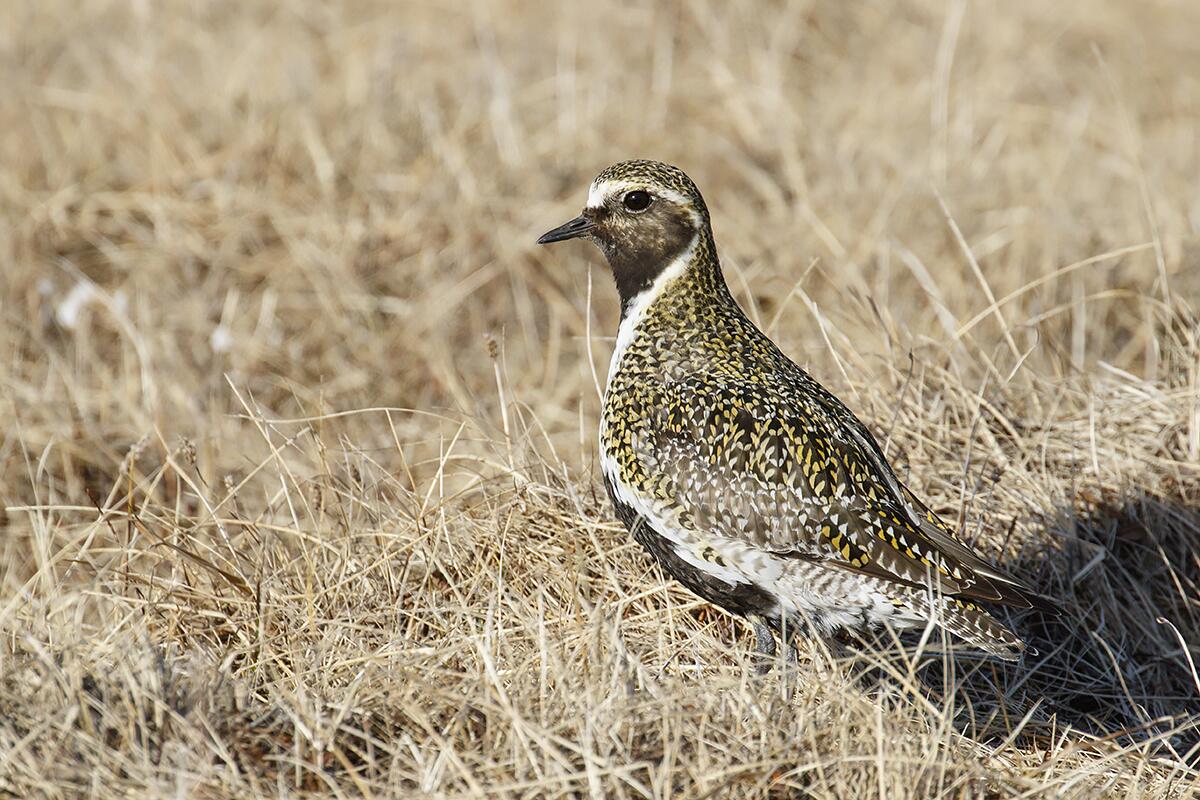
(604, 189)
(599, 191)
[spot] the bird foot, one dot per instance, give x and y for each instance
(765, 650)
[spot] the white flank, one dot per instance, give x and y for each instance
(688, 544)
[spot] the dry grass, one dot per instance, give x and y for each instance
(299, 464)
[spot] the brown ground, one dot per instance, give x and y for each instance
(299, 478)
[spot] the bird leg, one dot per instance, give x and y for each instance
(764, 646)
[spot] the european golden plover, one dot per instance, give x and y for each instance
(747, 480)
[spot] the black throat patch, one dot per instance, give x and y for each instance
(638, 249)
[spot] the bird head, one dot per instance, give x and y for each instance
(643, 215)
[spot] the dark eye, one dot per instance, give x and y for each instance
(637, 200)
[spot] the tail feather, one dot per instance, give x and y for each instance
(970, 623)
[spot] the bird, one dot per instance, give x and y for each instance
(746, 480)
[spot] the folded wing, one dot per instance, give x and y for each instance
(805, 478)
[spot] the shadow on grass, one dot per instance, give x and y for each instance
(1115, 665)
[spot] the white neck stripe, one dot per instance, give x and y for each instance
(638, 304)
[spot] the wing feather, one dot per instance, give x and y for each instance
(802, 476)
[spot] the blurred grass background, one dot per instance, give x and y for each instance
(299, 487)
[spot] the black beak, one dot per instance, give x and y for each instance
(580, 226)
